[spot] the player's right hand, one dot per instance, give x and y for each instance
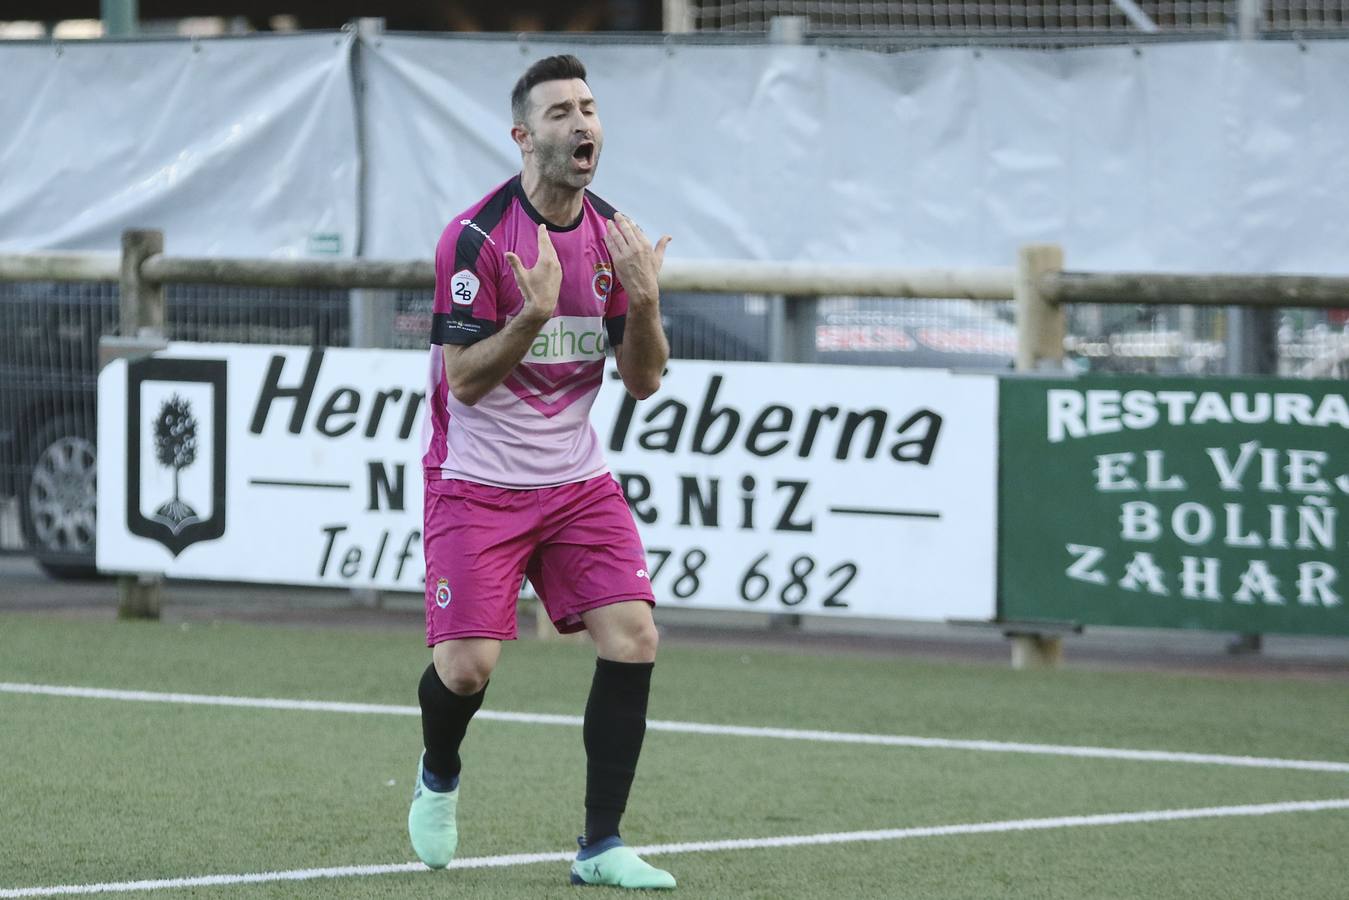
(541, 284)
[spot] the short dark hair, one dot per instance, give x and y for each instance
(551, 68)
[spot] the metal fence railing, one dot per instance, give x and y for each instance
(1190, 340)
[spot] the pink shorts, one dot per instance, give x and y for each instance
(576, 542)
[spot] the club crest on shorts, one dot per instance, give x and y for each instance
(442, 592)
(603, 282)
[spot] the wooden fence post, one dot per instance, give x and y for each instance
(1040, 325)
(1040, 329)
(142, 302)
(142, 316)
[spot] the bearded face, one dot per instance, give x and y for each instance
(565, 133)
(569, 160)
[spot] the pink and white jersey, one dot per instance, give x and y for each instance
(533, 429)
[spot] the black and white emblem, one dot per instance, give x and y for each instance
(176, 413)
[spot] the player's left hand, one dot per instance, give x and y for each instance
(636, 263)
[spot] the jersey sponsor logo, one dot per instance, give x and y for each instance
(442, 592)
(464, 287)
(469, 223)
(603, 282)
(569, 339)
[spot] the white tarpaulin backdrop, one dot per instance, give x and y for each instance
(232, 147)
(1185, 157)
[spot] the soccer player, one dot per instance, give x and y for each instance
(533, 282)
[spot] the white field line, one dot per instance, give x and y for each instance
(796, 840)
(787, 734)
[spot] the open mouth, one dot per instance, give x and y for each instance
(584, 154)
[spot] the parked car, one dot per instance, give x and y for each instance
(933, 334)
(49, 335)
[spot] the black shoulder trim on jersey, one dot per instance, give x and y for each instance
(615, 328)
(471, 240)
(447, 328)
(601, 207)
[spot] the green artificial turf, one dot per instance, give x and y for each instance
(105, 791)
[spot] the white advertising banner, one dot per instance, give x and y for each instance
(820, 489)
(810, 489)
(267, 464)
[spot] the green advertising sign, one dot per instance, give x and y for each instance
(1175, 502)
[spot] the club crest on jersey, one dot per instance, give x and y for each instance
(603, 282)
(464, 287)
(442, 592)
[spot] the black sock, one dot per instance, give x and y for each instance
(615, 723)
(445, 717)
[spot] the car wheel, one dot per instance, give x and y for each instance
(58, 498)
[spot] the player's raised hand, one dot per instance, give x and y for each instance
(541, 284)
(636, 263)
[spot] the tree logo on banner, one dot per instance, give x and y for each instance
(164, 454)
(176, 448)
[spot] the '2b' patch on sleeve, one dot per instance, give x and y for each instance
(464, 287)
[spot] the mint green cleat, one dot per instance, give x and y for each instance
(432, 824)
(611, 863)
